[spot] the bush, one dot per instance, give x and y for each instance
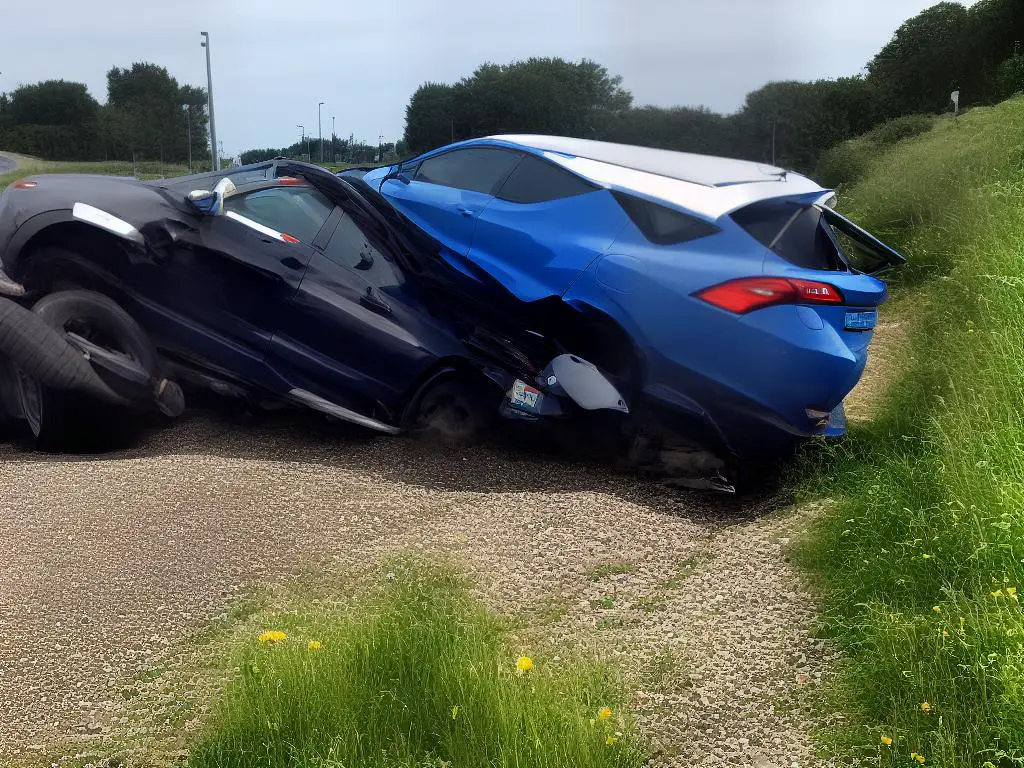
(1010, 77)
(849, 161)
(419, 676)
(921, 560)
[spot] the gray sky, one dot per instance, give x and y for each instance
(273, 60)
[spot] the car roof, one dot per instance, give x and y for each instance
(702, 184)
(706, 170)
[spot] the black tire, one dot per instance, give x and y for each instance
(454, 412)
(62, 413)
(114, 327)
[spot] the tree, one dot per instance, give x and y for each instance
(53, 102)
(539, 95)
(923, 63)
(147, 116)
(1009, 78)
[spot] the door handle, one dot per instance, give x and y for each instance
(372, 301)
(465, 211)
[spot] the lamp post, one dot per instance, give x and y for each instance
(188, 124)
(334, 151)
(302, 139)
(214, 159)
(320, 129)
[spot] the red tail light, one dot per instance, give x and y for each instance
(749, 293)
(25, 184)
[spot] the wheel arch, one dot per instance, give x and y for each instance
(60, 231)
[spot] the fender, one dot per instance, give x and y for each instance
(81, 213)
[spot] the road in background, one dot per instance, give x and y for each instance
(7, 164)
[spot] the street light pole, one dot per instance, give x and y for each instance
(302, 139)
(214, 159)
(334, 151)
(320, 128)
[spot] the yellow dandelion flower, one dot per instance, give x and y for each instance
(524, 664)
(945, 633)
(926, 556)
(610, 741)
(1012, 592)
(604, 713)
(936, 609)
(273, 636)
(887, 741)
(315, 645)
(917, 757)
(997, 593)
(926, 707)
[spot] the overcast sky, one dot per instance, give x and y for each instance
(274, 60)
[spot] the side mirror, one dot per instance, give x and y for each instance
(397, 175)
(211, 202)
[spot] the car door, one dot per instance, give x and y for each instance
(355, 331)
(545, 226)
(447, 192)
(223, 286)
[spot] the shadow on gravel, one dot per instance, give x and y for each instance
(509, 463)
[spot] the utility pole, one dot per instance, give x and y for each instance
(774, 122)
(188, 123)
(302, 138)
(334, 151)
(320, 129)
(214, 159)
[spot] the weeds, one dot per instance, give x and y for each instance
(921, 559)
(420, 676)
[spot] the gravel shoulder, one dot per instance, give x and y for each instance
(115, 567)
(114, 563)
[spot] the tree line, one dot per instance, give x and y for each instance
(148, 115)
(335, 151)
(947, 47)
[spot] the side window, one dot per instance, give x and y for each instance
(537, 181)
(662, 225)
(296, 211)
(477, 169)
(350, 247)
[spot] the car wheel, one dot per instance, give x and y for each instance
(99, 319)
(72, 422)
(454, 413)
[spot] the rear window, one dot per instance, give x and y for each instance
(793, 231)
(662, 225)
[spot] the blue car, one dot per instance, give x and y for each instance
(727, 300)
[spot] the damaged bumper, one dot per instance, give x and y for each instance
(566, 383)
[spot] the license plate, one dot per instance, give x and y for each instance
(524, 396)
(861, 321)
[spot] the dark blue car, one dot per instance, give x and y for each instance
(276, 283)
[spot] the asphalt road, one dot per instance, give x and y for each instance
(7, 164)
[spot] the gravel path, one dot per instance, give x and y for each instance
(110, 562)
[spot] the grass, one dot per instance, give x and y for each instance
(922, 554)
(142, 170)
(417, 675)
(605, 570)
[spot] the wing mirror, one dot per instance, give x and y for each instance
(396, 174)
(210, 202)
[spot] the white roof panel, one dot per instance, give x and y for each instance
(702, 184)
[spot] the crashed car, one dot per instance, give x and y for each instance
(276, 283)
(728, 299)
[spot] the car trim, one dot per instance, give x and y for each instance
(262, 229)
(108, 221)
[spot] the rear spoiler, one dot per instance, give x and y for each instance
(886, 256)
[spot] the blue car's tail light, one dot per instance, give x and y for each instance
(749, 293)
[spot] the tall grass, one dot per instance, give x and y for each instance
(419, 675)
(923, 555)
